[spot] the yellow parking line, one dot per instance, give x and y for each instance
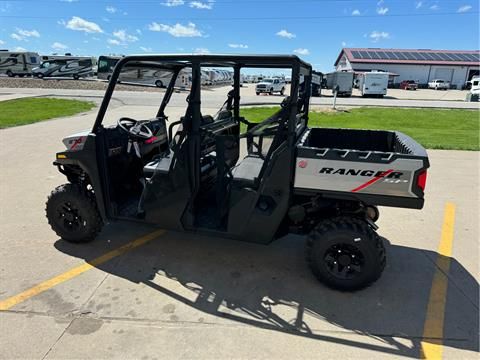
(432, 345)
(76, 271)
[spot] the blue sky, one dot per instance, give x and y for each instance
(314, 29)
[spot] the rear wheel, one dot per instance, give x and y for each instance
(258, 93)
(76, 77)
(345, 253)
(73, 214)
(159, 83)
(270, 92)
(40, 75)
(282, 91)
(10, 73)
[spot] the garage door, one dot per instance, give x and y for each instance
(444, 74)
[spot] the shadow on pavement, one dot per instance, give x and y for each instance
(270, 287)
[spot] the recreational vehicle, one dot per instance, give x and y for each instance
(106, 64)
(340, 81)
(373, 83)
(19, 63)
(65, 66)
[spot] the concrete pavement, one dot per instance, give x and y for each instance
(185, 296)
(215, 97)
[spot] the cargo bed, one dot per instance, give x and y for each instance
(375, 167)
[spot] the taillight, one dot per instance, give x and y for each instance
(422, 180)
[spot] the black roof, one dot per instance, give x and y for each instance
(182, 60)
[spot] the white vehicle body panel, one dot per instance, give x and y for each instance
(18, 62)
(373, 83)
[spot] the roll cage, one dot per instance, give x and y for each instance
(175, 63)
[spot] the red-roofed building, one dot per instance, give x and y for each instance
(455, 66)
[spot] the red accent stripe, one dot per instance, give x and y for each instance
(78, 141)
(372, 181)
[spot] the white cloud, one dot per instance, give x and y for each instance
(171, 3)
(238, 46)
(19, 48)
(434, 7)
(23, 35)
(382, 10)
(146, 49)
(202, 5)
(302, 51)
(114, 42)
(344, 44)
(356, 12)
(177, 30)
(285, 34)
(69, 1)
(419, 4)
(78, 24)
(28, 33)
(124, 37)
(59, 46)
(376, 36)
(201, 51)
(138, 31)
(464, 9)
(111, 9)
(2, 42)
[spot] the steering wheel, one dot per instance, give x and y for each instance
(136, 129)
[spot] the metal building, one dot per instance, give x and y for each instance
(455, 66)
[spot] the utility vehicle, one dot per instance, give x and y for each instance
(225, 176)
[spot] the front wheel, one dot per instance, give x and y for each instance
(159, 84)
(10, 73)
(73, 214)
(282, 91)
(345, 253)
(76, 77)
(258, 93)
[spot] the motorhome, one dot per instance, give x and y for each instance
(19, 63)
(140, 76)
(341, 82)
(106, 64)
(374, 83)
(65, 66)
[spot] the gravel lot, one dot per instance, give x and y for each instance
(68, 84)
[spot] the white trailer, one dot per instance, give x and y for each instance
(341, 79)
(374, 83)
(19, 63)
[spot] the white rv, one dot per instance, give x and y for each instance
(374, 83)
(18, 62)
(65, 66)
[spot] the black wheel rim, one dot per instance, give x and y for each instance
(70, 217)
(344, 261)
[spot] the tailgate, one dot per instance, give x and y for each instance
(373, 177)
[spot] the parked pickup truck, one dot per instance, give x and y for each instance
(385, 168)
(270, 86)
(439, 84)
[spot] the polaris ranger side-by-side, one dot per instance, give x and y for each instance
(188, 174)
